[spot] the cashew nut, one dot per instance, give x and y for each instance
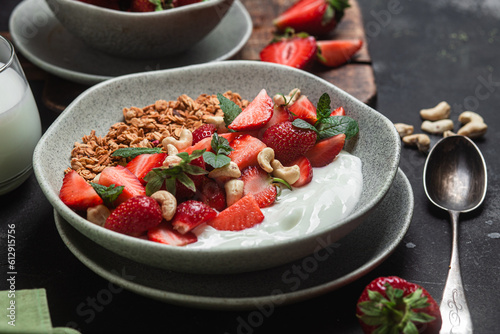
(473, 129)
(219, 123)
(470, 116)
(167, 202)
(171, 149)
(231, 170)
(449, 133)
(437, 126)
(404, 129)
(289, 174)
(420, 140)
(171, 160)
(234, 191)
(441, 111)
(474, 125)
(185, 140)
(264, 158)
(98, 214)
(281, 100)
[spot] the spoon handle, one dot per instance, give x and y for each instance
(454, 309)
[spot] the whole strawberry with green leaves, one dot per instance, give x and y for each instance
(394, 305)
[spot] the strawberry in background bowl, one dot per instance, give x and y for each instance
(137, 28)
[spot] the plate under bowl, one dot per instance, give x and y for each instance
(377, 145)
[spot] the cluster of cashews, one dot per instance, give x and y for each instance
(437, 121)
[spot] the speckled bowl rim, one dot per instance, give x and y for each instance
(94, 231)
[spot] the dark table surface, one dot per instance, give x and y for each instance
(423, 52)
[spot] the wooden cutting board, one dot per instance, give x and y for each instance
(356, 77)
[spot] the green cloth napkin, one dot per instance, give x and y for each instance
(29, 312)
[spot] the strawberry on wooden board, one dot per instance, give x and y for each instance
(135, 216)
(315, 17)
(255, 115)
(204, 131)
(304, 109)
(306, 171)
(260, 184)
(337, 52)
(164, 233)
(77, 194)
(326, 150)
(243, 214)
(397, 306)
(246, 149)
(190, 214)
(121, 176)
(144, 163)
(289, 142)
(291, 50)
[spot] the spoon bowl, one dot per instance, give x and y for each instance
(455, 180)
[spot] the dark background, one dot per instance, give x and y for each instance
(423, 52)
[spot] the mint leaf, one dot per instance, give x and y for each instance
(108, 194)
(222, 149)
(323, 108)
(231, 110)
(335, 125)
(216, 161)
(132, 152)
(301, 124)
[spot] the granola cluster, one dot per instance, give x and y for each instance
(145, 127)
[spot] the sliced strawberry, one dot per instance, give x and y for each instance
(316, 17)
(121, 176)
(190, 214)
(296, 52)
(243, 214)
(165, 234)
(144, 163)
(135, 216)
(212, 194)
(338, 112)
(255, 115)
(288, 141)
(180, 3)
(246, 148)
(182, 193)
(204, 131)
(306, 171)
(337, 52)
(303, 109)
(205, 143)
(325, 151)
(258, 183)
(77, 194)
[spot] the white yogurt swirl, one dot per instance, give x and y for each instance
(332, 194)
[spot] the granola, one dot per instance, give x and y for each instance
(145, 127)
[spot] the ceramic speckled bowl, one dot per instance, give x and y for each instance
(140, 35)
(377, 145)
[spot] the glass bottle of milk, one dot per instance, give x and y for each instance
(20, 127)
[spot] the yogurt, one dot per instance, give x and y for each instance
(331, 196)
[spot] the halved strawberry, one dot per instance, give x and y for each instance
(182, 193)
(338, 112)
(288, 141)
(204, 131)
(303, 109)
(316, 17)
(135, 216)
(246, 148)
(325, 151)
(165, 234)
(306, 171)
(337, 52)
(190, 214)
(255, 115)
(260, 184)
(293, 51)
(144, 163)
(243, 214)
(77, 194)
(212, 194)
(121, 176)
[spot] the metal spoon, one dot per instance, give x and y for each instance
(455, 180)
